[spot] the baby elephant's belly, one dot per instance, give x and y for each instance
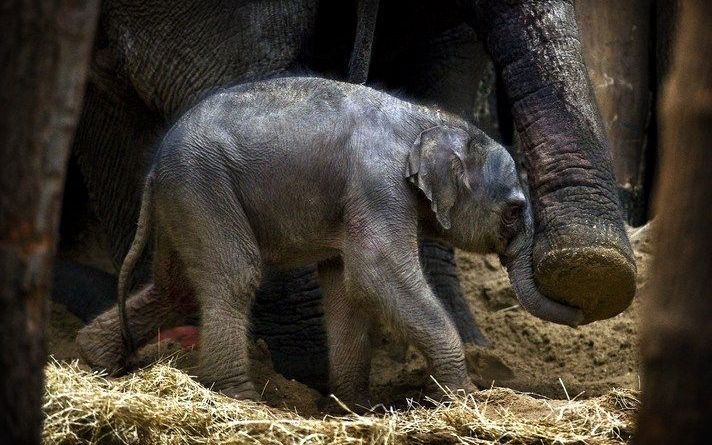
(296, 237)
(292, 256)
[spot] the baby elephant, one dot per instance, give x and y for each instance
(290, 172)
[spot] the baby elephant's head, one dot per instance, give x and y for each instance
(473, 187)
(476, 196)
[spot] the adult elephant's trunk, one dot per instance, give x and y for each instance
(518, 261)
(581, 254)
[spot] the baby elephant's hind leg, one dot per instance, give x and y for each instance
(347, 326)
(221, 258)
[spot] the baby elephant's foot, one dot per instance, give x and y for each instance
(101, 346)
(237, 386)
(441, 390)
(245, 391)
(337, 406)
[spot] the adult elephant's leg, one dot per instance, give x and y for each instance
(113, 147)
(581, 254)
(288, 315)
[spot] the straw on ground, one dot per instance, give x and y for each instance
(163, 405)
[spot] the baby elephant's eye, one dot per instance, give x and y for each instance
(512, 212)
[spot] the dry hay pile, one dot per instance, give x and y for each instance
(163, 405)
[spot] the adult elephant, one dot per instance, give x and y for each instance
(153, 59)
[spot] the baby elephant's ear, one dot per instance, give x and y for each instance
(436, 163)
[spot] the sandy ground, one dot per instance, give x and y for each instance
(525, 354)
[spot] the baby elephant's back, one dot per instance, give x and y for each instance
(268, 120)
(282, 145)
(287, 135)
(277, 125)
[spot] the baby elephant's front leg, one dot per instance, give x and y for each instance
(390, 277)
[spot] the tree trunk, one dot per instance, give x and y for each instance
(44, 53)
(676, 338)
(617, 43)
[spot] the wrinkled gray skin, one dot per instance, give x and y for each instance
(284, 173)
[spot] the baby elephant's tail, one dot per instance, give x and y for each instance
(132, 257)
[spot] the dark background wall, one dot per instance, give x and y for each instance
(627, 55)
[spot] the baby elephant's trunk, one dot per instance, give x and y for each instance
(518, 261)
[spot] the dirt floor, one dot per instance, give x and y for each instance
(525, 354)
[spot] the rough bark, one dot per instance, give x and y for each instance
(617, 43)
(666, 20)
(43, 53)
(676, 346)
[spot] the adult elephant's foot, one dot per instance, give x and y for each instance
(100, 344)
(592, 268)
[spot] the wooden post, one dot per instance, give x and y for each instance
(677, 322)
(617, 45)
(44, 52)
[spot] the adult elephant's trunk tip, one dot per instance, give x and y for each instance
(598, 279)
